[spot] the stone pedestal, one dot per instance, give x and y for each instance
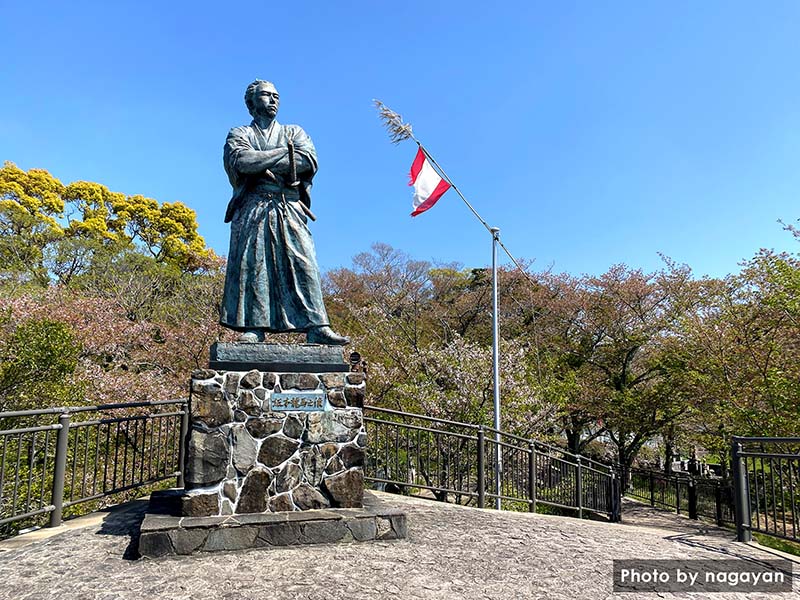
(274, 457)
(164, 532)
(266, 441)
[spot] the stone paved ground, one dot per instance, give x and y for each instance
(451, 552)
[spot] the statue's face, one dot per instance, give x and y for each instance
(265, 101)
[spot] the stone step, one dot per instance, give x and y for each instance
(164, 534)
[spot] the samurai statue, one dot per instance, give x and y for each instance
(272, 281)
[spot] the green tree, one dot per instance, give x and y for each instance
(37, 359)
(30, 205)
(740, 355)
(51, 230)
(423, 330)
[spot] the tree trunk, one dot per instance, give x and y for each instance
(573, 440)
(669, 455)
(624, 465)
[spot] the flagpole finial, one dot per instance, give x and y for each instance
(398, 131)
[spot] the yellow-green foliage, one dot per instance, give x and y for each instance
(98, 209)
(29, 206)
(41, 220)
(36, 192)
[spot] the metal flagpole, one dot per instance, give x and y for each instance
(399, 131)
(498, 454)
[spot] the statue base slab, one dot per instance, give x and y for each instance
(165, 533)
(286, 358)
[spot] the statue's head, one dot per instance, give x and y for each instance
(261, 98)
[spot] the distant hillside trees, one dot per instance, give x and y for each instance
(112, 298)
(106, 297)
(625, 357)
(37, 359)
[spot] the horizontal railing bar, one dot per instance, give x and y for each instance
(509, 498)
(567, 506)
(112, 420)
(423, 417)
(537, 444)
(593, 470)
(779, 440)
(99, 407)
(96, 422)
(487, 430)
(512, 436)
(584, 459)
(494, 442)
(584, 467)
(32, 513)
(30, 429)
(570, 454)
(705, 483)
(770, 455)
(420, 428)
(34, 412)
(94, 497)
(684, 477)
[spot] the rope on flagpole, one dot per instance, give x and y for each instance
(474, 212)
(516, 262)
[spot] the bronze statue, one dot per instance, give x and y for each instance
(272, 281)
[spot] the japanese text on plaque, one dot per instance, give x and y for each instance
(305, 401)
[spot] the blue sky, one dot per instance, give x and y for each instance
(591, 133)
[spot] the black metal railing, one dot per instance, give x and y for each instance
(467, 463)
(58, 462)
(54, 459)
(684, 493)
(766, 484)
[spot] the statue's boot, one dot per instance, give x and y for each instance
(252, 336)
(326, 335)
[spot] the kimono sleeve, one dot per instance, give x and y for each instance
(236, 142)
(303, 145)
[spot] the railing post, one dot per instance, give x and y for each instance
(532, 477)
(741, 497)
(677, 495)
(481, 469)
(718, 504)
(60, 470)
(579, 487)
(182, 447)
(616, 498)
(652, 489)
(692, 499)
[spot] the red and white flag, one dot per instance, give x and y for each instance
(428, 186)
